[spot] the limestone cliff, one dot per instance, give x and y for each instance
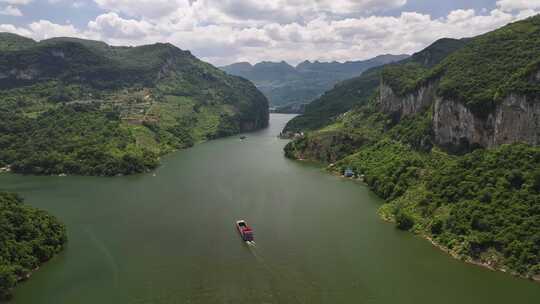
(410, 104)
(457, 127)
(515, 119)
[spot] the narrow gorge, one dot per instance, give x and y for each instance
(449, 141)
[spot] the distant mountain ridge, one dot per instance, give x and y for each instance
(285, 85)
(358, 90)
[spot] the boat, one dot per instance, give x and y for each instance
(242, 137)
(245, 231)
(348, 172)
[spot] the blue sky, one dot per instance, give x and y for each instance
(57, 12)
(438, 9)
(225, 31)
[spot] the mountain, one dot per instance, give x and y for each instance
(285, 85)
(13, 42)
(358, 90)
(77, 106)
(450, 139)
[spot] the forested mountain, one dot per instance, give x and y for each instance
(450, 139)
(28, 238)
(78, 106)
(358, 90)
(285, 85)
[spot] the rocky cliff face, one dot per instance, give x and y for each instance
(516, 119)
(398, 107)
(457, 128)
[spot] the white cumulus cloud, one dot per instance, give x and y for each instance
(44, 29)
(226, 31)
(242, 10)
(143, 8)
(512, 5)
(111, 25)
(16, 30)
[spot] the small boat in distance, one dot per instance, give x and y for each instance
(245, 231)
(242, 137)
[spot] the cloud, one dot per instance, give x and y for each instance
(111, 25)
(44, 29)
(513, 5)
(16, 30)
(247, 10)
(143, 8)
(351, 6)
(225, 31)
(10, 11)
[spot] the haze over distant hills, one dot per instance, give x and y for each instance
(286, 85)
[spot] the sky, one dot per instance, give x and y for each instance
(227, 31)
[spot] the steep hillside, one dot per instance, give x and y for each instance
(78, 106)
(452, 147)
(483, 95)
(357, 91)
(288, 86)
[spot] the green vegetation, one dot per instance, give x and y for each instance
(408, 75)
(28, 238)
(12, 42)
(78, 139)
(480, 74)
(353, 130)
(344, 96)
(403, 78)
(482, 206)
(82, 107)
(492, 65)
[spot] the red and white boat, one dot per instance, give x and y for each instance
(245, 231)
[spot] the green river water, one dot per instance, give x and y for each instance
(169, 237)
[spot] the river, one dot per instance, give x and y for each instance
(169, 237)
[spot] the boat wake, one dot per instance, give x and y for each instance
(102, 248)
(272, 273)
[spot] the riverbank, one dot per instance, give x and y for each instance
(389, 218)
(140, 156)
(387, 215)
(456, 201)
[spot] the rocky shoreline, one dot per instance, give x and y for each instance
(470, 260)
